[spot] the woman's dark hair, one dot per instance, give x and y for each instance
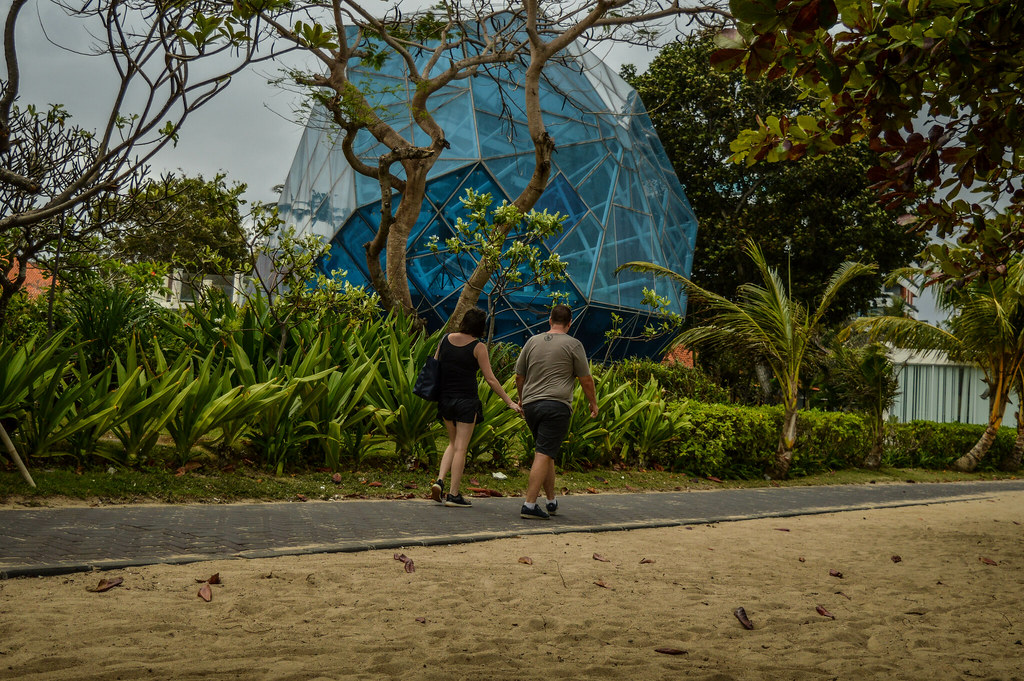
(474, 322)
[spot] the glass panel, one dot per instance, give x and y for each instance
(457, 120)
(482, 182)
(596, 189)
(560, 197)
(512, 172)
(579, 250)
(568, 131)
(577, 160)
(440, 189)
(501, 137)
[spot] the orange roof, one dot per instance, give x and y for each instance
(37, 279)
(681, 355)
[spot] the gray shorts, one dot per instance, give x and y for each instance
(548, 421)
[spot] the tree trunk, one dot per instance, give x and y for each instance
(13, 453)
(873, 460)
(969, 461)
(1011, 462)
(779, 469)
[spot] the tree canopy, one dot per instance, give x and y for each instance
(807, 215)
(934, 86)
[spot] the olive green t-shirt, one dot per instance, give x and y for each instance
(550, 363)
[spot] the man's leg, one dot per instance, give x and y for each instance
(549, 479)
(542, 466)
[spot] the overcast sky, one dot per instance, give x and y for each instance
(248, 131)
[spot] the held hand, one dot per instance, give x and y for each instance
(514, 406)
(593, 411)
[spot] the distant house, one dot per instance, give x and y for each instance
(37, 280)
(181, 288)
(934, 388)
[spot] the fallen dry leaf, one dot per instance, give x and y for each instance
(840, 593)
(410, 485)
(302, 497)
(486, 492)
(782, 529)
(214, 578)
(106, 584)
(591, 490)
(670, 651)
(601, 583)
(645, 561)
(336, 478)
(565, 490)
(187, 468)
(714, 479)
(474, 481)
(375, 484)
(835, 573)
(205, 593)
(896, 559)
(802, 559)
(987, 561)
(823, 612)
(741, 615)
(630, 488)
(409, 567)
(421, 620)
(598, 556)
(526, 560)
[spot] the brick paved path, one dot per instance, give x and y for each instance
(55, 541)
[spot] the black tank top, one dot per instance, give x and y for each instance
(458, 370)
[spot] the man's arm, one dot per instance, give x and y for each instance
(587, 383)
(520, 382)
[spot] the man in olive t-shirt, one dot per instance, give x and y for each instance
(546, 374)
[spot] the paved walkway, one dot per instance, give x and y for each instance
(57, 541)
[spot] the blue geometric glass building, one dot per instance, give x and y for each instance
(610, 177)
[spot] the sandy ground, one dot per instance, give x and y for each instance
(476, 611)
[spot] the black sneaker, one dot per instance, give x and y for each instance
(436, 489)
(456, 502)
(552, 507)
(535, 513)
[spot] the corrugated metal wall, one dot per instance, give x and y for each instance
(933, 389)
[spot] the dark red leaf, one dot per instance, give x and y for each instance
(782, 529)
(802, 559)
(896, 559)
(987, 561)
(591, 490)
(409, 485)
(106, 584)
(835, 573)
(824, 613)
(806, 20)
(670, 651)
(646, 561)
(741, 615)
(205, 593)
(714, 479)
(598, 556)
(375, 484)
(421, 620)
(474, 481)
(602, 584)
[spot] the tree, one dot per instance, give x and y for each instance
(986, 328)
(166, 59)
(812, 213)
(767, 324)
(447, 42)
(171, 219)
(864, 379)
(933, 86)
(517, 266)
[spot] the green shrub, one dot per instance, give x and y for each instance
(926, 444)
(677, 381)
(728, 441)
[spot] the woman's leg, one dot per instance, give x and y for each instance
(463, 434)
(446, 458)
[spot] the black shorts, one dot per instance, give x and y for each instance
(548, 421)
(461, 410)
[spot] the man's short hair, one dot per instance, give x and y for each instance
(561, 315)
(474, 322)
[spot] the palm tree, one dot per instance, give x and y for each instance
(867, 382)
(986, 329)
(765, 324)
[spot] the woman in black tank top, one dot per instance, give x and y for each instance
(461, 354)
